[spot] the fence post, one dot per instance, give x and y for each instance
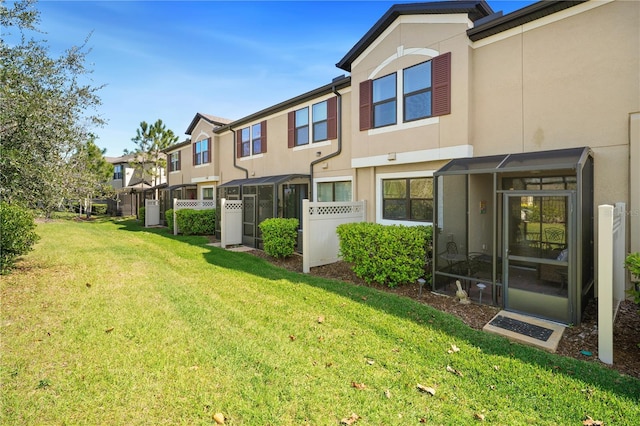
(175, 222)
(306, 233)
(605, 283)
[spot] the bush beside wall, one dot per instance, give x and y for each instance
(279, 236)
(388, 255)
(17, 234)
(196, 222)
(168, 216)
(99, 209)
(141, 214)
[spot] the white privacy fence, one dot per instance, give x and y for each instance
(189, 204)
(320, 243)
(151, 213)
(230, 222)
(611, 274)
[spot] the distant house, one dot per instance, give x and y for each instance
(503, 132)
(133, 183)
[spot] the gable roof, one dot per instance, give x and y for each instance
(176, 146)
(476, 9)
(216, 121)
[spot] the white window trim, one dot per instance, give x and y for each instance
(316, 181)
(379, 178)
(202, 188)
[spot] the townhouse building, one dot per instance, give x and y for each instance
(133, 183)
(504, 132)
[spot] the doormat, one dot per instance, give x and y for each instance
(521, 327)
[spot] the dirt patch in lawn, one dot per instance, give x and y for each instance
(575, 342)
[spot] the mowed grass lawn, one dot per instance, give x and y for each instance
(109, 323)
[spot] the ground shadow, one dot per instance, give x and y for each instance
(407, 308)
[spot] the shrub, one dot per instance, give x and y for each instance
(99, 209)
(632, 263)
(168, 216)
(196, 222)
(389, 255)
(17, 234)
(141, 212)
(279, 236)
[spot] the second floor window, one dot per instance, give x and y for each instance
(302, 126)
(320, 124)
(425, 88)
(256, 138)
(174, 163)
(201, 152)
(117, 171)
(417, 91)
(384, 101)
(245, 142)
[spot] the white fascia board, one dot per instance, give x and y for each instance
(410, 157)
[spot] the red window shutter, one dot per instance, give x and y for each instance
(238, 136)
(332, 118)
(193, 157)
(209, 150)
(263, 133)
(441, 85)
(366, 111)
(291, 129)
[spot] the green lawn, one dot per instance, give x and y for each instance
(109, 323)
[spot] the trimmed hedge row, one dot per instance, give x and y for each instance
(17, 235)
(279, 236)
(192, 222)
(388, 255)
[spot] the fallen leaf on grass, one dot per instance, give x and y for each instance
(292, 337)
(320, 319)
(370, 362)
(219, 418)
(453, 349)
(350, 420)
(590, 422)
(109, 330)
(479, 416)
(426, 389)
(387, 393)
(358, 385)
(454, 371)
(88, 285)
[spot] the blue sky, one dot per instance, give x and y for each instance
(171, 60)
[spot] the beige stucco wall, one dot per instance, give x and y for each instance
(279, 158)
(567, 83)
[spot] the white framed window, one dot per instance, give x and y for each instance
(405, 198)
(339, 188)
(207, 193)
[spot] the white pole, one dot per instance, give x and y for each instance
(605, 283)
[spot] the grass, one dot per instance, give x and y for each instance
(109, 323)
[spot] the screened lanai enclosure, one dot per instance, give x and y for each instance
(517, 231)
(264, 198)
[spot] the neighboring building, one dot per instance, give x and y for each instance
(498, 130)
(132, 185)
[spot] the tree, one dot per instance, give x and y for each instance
(90, 175)
(150, 142)
(43, 111)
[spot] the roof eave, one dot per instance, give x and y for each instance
(338, 83)
(475, 9)
(519, 17)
